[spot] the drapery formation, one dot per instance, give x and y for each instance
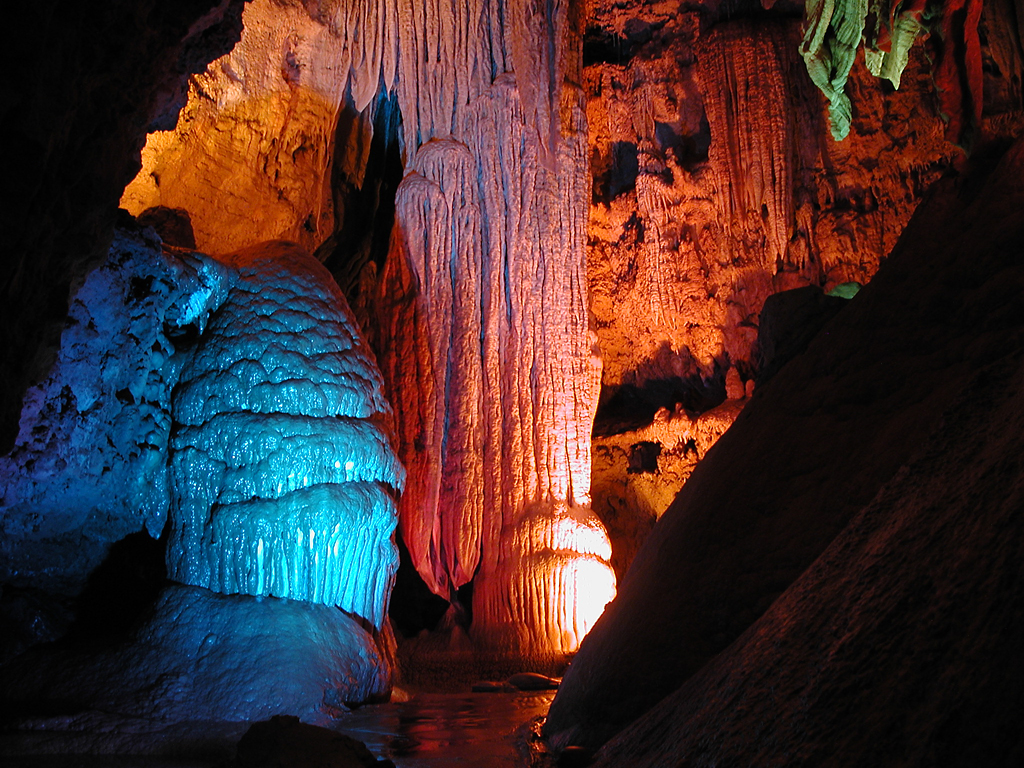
(484, 340)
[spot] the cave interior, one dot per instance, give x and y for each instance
(665, 356)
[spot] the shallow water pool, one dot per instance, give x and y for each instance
(445, 729)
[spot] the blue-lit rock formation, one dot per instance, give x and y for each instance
(204, 656)
(90, 462)
(281, 478)
(232, 405)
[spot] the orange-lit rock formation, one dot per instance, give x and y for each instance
(867, 607)
(480, 313)
(487, 353)
(717, 184)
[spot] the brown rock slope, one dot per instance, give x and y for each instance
(903, 634)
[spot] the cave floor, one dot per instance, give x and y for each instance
(431, 730)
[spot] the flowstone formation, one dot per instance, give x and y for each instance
(478, 313)
(489, 323)
(282, 475)
(234, 406)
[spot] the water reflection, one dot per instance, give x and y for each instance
(435, 729)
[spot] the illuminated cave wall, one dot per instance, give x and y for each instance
(479, 313)
(231, 408)
(717, 183)
(505, 296)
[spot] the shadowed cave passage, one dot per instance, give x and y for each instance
(442, 355)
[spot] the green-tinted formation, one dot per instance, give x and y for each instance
(835, 29)
(846, 290)
(887, 50)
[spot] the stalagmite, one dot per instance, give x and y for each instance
(553, 581)
(282, 478)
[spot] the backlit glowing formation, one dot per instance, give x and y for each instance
(553, 581)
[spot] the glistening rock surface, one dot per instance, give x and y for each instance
(282, 480)
(484, 331)
(90, 463)
(811, 450)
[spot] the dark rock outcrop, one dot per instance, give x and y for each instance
(886, 394)
(284, 742)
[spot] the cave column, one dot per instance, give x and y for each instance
(488, 355)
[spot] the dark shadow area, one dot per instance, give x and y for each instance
(413, 606)
(121, 590)
(643, 458)
(601, 46)
(626, 407)
(789, 322)
(364, 209)
(691, 150)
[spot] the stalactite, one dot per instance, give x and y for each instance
(485, 343)
(483, 288)
(958, 71)
(887, 46)
(835, 30)
(431, 293)
(745, 95)
(829, 49)
(281, 479)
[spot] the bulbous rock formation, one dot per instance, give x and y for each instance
(551, 582)
(487, 354)
(282, 475)
(494, 400)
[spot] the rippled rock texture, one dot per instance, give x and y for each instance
(283, 478)
(232, 409)
(478, 309)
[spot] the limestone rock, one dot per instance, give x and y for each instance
(691, 227)
(789, 321)
(285, 742)
(78, 118)
(89, 465)
(174, 225)
(485, 290)
(281, 481)
(812, 449)
(205, 656)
